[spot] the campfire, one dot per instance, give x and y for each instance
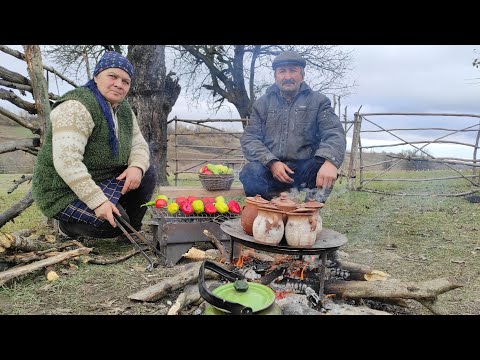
(315, 279)
(296, 280)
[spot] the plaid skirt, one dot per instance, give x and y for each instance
(78, 211)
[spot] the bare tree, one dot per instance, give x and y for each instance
(76, 60)
(152, 96)
(237, 73)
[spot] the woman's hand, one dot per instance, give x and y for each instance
(106, 211)
(133, 177)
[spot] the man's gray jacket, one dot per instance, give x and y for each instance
(306, 128)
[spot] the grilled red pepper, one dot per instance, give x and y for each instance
(208, 200)
(234, 207)
(186, 208)
(210, 208)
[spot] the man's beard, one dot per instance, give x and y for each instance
(289, 93)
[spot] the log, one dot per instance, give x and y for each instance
(16, 209)
(190, 295)
(426, 290)
(16, 100)
(38, 255)
(166, 286)
(10, 146)
(296, 304)
(103, 261)
(362, 272)
(262, 257)
(346, 309)
(8, 275)
(23, 241)
(21, 121)
(218, 244)
(17, 183)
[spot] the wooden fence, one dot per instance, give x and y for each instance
(453, 164)
(231, 156)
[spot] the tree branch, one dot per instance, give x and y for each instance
(16, 209)
(21, 56)
(20, 144)
(17, 183)
(17, 101)
(23, 88)
(19, 120)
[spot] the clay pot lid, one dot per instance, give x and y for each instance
(313, 205)
(257, 200)
(302, 211)
(283, 202)
(269, 207)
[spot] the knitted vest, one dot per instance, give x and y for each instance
(49, 190)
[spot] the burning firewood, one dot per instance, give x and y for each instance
(362, 272)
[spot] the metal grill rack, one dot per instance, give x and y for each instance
(174, 234)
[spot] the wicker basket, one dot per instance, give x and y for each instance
(216, 182)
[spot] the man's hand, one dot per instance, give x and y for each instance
(106, 211)
(279, 171)
(327, 175)
(132, 176)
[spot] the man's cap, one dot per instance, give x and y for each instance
(112, 59)
(288, 57)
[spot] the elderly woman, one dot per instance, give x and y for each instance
(94, 162)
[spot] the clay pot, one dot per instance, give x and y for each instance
(250, 211)
(300, 230)
(268, 227)
(284, 203)
(315, 205)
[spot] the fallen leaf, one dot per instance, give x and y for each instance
(52, 276)
(50, 238)
(138, 268)
(45, 287)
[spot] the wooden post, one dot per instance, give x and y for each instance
(176, 151)
(474, 171)
(33, 57)
(351, 184)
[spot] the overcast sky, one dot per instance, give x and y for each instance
(390, 78)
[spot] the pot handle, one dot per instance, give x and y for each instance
(211, 298)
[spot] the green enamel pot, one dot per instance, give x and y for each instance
(239, 297)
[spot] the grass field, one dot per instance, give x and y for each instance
(413, 238)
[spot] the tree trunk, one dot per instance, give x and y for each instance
(33, 57)
(152, 97)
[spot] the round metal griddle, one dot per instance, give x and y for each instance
(329, 240)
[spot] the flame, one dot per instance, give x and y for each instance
(239, 262)
(303, 271)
